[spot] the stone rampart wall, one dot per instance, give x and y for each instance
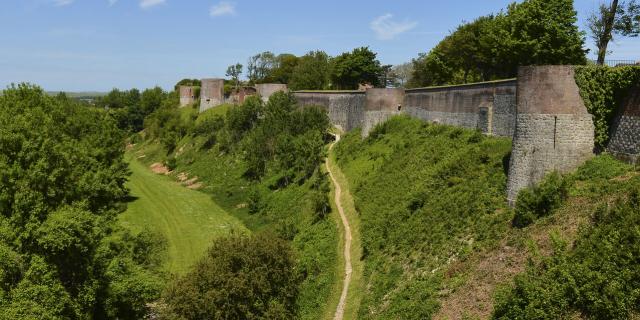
(488, 106)
(554, 131)
(345, 108)
(211, 93)
(625, 134)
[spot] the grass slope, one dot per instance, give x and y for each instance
(284, 211)
(428, 195)
(188, 219)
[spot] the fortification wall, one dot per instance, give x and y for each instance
(488, 106)
(211, 93)
(625, 134)
(265, 90)
(187, 95)
(345, 108)
(554, 131)
(380, 105)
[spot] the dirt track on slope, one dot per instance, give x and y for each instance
(348, 268)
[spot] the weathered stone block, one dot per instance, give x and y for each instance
(554, 131)
(211, 93)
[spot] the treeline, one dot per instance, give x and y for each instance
(533, 32)
(130, 107)
(316, 70)
(62, 253)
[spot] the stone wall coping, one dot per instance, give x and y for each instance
(331, 91)
(513, 81)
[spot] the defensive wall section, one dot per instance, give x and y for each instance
(541, 111)
(489, 107)
(265, 90)
(625, 135)
(211, 93)
(187, 95)
(345, 108)
(553, 130)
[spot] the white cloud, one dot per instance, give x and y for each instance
(145, 4)
(62, 3)
(222, 9)
(387, 29)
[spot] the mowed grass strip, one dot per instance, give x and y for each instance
(188, 219)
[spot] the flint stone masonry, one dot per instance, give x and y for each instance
(625, 134)
(211, 93)
(488, 106)
(380, 105)
(345, 108)
(265, 90)
(554, 131)
(187, 95)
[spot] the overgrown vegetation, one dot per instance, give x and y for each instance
(261, 163)
(428, 195)
(604, 90)
(541, 200)
(597, 276)
(239, 278)
(62, 254)
(533, 32)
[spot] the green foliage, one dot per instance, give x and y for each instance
(599, 277)
(541, 200)
(289, 197)
(353, 68)
(312, 72)
(603, 90)
(239, 278)
(62, 179)
(129, 108)
(493, 47)
(427, 195)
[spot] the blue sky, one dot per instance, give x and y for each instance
(83, 45)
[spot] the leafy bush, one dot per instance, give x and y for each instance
(603, 90)
(239, 278)
(541, 200)
(427, 195)
(62, 178)
(599, 278)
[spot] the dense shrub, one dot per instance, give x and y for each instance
(427, 195)
(540, 200)
(62, 175)
(603, 90)
(599, 278)
(239, 278)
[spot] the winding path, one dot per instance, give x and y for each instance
(348, 268)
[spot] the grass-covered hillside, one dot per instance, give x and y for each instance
(428, 195)
(439, 240)
(265, 171)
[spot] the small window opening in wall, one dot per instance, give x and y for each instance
(555, 130)
(208, 100)
(399, 107)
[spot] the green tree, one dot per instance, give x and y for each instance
(62, 179)
(234, 71)
(356, 67)
(286, 64)
(239, 278)
(620, 19)
(312, 72)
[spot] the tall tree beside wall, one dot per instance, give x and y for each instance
(355, 67)
(312, 72)
(621, 19)
(534, 32)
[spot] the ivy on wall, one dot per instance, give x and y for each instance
(603, 90)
